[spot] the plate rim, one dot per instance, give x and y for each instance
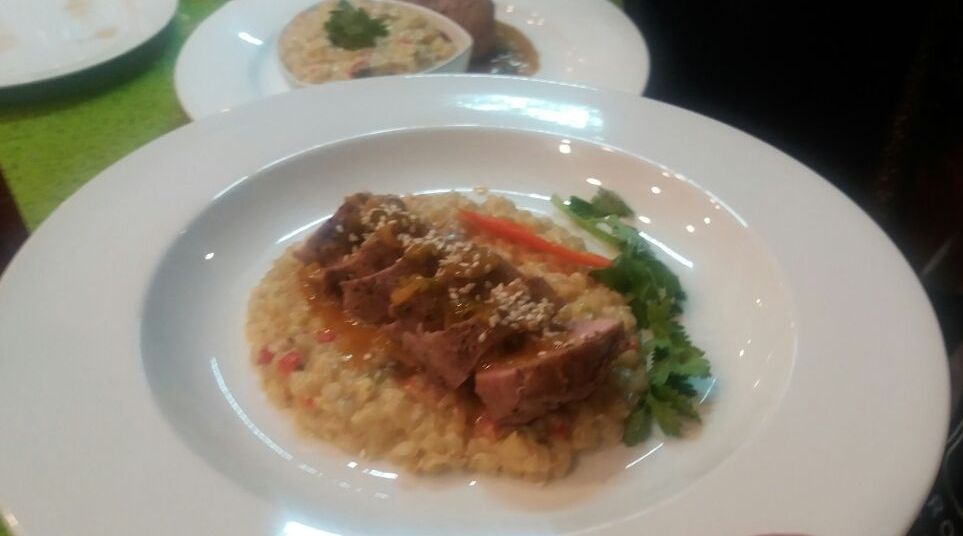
(224, 126)
(55, 74)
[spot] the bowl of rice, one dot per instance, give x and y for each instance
(412, 40)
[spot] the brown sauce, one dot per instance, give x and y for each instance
(353, 338)
(514, 54)
(357, 339)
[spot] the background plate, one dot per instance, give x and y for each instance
(232, 56)
(43, 39)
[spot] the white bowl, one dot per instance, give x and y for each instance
(457, 63)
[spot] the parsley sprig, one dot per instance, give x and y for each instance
(351, 28)
(655, 296)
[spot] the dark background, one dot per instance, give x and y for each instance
(870, 96)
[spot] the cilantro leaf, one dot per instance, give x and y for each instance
(672, 353)
(669, 420)
(681, 384)
(638, 427)
(654, 293)
(662, 366)
(583, 208)
(655, 296)
(604, 203)
(659, 321)
(629, 238)
(581, 215)
(620, 276)
(609, 203)
(352, 28)
(680, 403)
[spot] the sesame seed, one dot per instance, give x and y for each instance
(517, 309)
(483, 336)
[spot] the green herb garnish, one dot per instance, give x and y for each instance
(352, 28)
(655, 297)
(608, 203)
(604, 203)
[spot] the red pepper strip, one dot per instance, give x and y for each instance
(289, 362)
(520, 234)
(325, 335)
(265, 356)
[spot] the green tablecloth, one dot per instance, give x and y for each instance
(48, 149)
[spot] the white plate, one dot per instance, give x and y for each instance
(231, 58)
(130, 407)
(44, 39)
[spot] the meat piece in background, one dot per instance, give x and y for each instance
(477, 17)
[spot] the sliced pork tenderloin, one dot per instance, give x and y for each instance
(515, 391)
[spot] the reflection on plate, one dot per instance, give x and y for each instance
(231, 58)
(149, 408)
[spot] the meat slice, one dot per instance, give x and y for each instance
(330, 242)
(430, 307)
(516, 391)
(372, 257)
(452, 354)
(538, 288)
(424, 310)
(477, 17)
(368, 298)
